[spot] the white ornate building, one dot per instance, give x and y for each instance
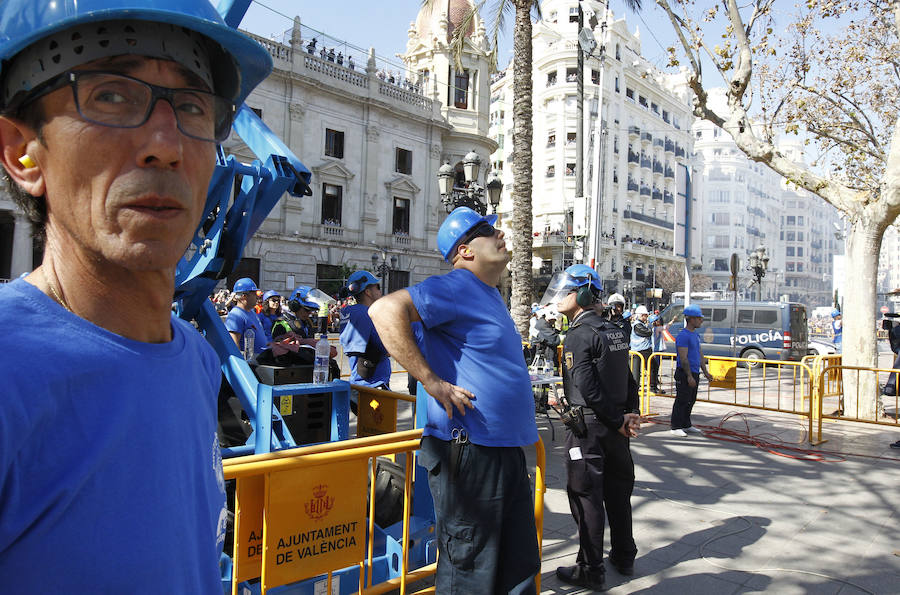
(373, 140)
(638, 152)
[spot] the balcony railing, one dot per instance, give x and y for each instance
(670, 173)
(648, 219)
(657, 167)
(633, 157)
(657, 194)
(645, 190)
(679, 151)
(646, 137)
(645, 162)
(634, 131)
(633, 186)
(658, 142)
(668, 198)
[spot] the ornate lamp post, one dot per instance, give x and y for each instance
(382, 268)
(471, 195)
(758, 265)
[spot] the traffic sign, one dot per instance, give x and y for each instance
(884, 309)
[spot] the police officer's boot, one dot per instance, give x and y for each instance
(582, 576)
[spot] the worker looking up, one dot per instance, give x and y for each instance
(481, 412)
(110, 472)
(369, 362)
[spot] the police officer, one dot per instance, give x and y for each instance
(297, 319)
(617, 313)
(600, 471)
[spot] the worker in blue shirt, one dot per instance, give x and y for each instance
(837, 330)
(480, 410)
(657, 345)
(369, 361)
(689, 363)
(243, 318)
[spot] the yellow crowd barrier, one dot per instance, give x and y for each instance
(857, 383)
(301, 513)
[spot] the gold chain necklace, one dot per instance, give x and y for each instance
(56, 295)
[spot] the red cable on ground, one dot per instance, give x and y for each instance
(770, 442)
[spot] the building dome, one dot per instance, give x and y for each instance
(428, 23)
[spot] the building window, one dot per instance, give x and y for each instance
(799, 250)
(461, 90)
(570, 169)
(331, 204)
(665, 116)
(551, 171)
(720, 264)
(334, 143)
(617, 84)
(791, 220)
(571, 75)
(789, 251)
(618, 52)
(654, 108)
(571, 138)
(551, 140)
(404, 161)
(629, 93)
(401, 216)
(573, 14)
(551, 78)
(642, 100)
(595, 77)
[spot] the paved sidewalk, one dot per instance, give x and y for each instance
(720, 517)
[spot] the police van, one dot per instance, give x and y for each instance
(764, 330)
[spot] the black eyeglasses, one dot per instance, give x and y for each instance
(120, 101)
(482, 230)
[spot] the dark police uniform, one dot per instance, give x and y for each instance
(599, 466)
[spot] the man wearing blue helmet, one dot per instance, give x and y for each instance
(110, 472)
(480, 414)
(603, 397)
(369, 362)
(688, 365)
(837, 330)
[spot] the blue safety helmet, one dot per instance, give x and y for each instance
(237, 62)
(301, 295)
(270, 294)
(456, 226)
(626, 314)
(693, 310)
(360, 280)
(653, 318)
(835, 313)
(565, 282)
(244, 285)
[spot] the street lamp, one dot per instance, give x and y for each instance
(382, 268)
(471, 195)
(758, 265)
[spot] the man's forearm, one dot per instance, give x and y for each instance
(393, 321)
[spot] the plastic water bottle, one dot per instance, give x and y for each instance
(249, 342)
(548, 368)
(320, 367)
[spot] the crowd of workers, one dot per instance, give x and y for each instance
(109, 118)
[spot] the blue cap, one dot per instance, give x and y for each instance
(270, 294)
(359, 281)
(238, 63)
(300, 294)
(693, 310)
(244, 284)
(835, 313)
(456, 226)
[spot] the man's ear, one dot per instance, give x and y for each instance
(16, 141)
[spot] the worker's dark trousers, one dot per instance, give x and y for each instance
(601, 480)
(636, 365)
(654, 372)
(685, 396)
(484, 513)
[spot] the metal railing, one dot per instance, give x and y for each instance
(254, 476)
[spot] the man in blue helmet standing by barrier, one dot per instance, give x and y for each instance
(369, 361)
(837, 330)
(603, 414)
(110, 472)
(688, 365)
(480, 414)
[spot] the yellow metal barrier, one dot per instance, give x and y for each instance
(858, 376)
(310, 499)
(643, 383)
(377, 410)
(772, 385)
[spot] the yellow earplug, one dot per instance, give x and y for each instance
(27, 161)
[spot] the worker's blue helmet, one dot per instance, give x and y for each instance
(565, 282)
(359, 281)
(270, 294)
(835, 313)
(693, 310)
(626, 314)
(40, 40)
(244, 285)
(456, 226)
(653, 318)
(301, 296)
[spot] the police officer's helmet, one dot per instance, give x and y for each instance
(578, 277)
(300, 299)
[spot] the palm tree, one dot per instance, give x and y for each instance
(523, 131)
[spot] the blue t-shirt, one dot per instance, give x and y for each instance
(471, 341)
(356, 332)
(110, 470)
(266, 321)
(239, 320)
(690, 340)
